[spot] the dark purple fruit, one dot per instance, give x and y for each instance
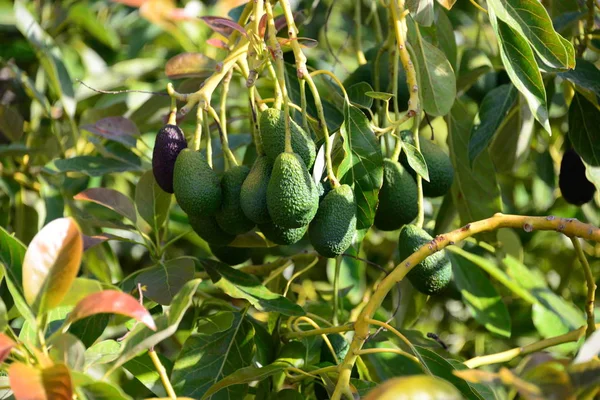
(575, 187)
(169, 143)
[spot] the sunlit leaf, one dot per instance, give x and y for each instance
(67, 349)
(102, 352)
(421, 11)
(151, 201)
(12, 253)
(447, 4)
(164, 280)
(31, 383)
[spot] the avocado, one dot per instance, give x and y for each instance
(272, 132)
(208, 229)
(441, 171)
(230, 255)
(230, 216)
(197, 186)
(334, 226)
(282, 236)
(575, 187)
(432, 274)
(170, 141)
(253, 195)
(397, 198)
(292, 196)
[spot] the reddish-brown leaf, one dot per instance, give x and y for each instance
(280, 22)
(447, 4)
(112, 302)
(110, 198)
(6, 345)
(218, 43)
(118, 129)
(30, 383)
(223, 26)
(190, 65)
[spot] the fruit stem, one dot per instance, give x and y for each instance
(256, 135)
(173, 114)
(278, 95)
(198, 132)
(421, 210)
(223, 136)
(209, 159)
(569, 227)
(336, 288)
(591, 287)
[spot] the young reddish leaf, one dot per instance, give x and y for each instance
(6, 345)
(30, 383)
(112, 302)
(280, 22)
(189, 65)
(110, 198)
(51, 263)
(218, 43)
(447, 4)
(118, 129)
(304, 42)
(262, 26)
(223, 26)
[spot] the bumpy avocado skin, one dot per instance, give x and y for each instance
(208, 229)
(197, 186)
(282, 236)
(397, 197)
(441, 171)
(230, 255)
(230, 217)
(272, 132)
(334, 226)
(431, 275)
(253, 195)
(574, 185)
(170, 141)
(292, 196)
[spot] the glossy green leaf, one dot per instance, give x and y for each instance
(584, 129)
(151, 201)
(474, 63)
(101, 353)
(358, 94)
(103, 391)
(415, 158)
(17, 297)
(585, 75)
(111, 199)
(12, 253)
(421, 11)
(81, 288)
(162, 281)
(143, 369)
(89, 329)
(380, 95)
(90, 165)
(118, 129)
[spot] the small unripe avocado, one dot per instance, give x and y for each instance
(170, 141)
(197, 186)
(282, 236)
(334, 226)
(441, 171)
(432, 274)
(231, 217)
(292, 196)
(398, 203)
(207, 228)
(230, 255)
(272, 132)
(574, 185)
(253, 195)
(422, 387)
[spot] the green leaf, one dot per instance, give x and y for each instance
(11, 123)
(585, 75)
(584, 129)
(12, 253)
(494, 109)
(3, 316)
(90, 165)
(89, 329)
(81, 288)
(480, 296)
(151, 201)
(103, 391)
(529, 19)
(101, 353)
(474, 63)
(67, 349)
(17, 297)
(162, 281)
(421, 11)
(84, 16)
(380, 95)
(414, 157)
(207, 358)
(143, 369)
(358, 94)
(519, 61)
(241, 285)
(118, 129)
(111, 199)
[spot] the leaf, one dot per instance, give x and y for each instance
(67, 349)
(151, 201)
(101, 353)
(480, 296)
(223, 26)
(589, 350)
(104, 391)
(143, 369)
(3, 317)
(207, 358)
(86, 18)
(112, 302)
(6, 345)
(519, 61)
(111, 199)
(529, 19)
(31, 383)
(447, 4)
(240, 285)
(190, 65)
(494, 109)
(361, 165)
(89, 329)
(585, 375)
(17, 297)
(585, 75)
(90, 165)
(11, 123)
(584, 129)
(414, 157)
(164, 280)
(51, 263)
(12, 253)
(474, 63)
(380, 95)
(421, 11)
(118, 129)
(358, 94)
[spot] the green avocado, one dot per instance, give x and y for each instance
(282, 236)
(432, 274)
(334, 226)
(208, 229)
(196, 185)
(292, 196)
(230, 216)
(272, 132)
(230, 255)
(253, 195)
(397, 197)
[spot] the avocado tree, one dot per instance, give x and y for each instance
(300, 199)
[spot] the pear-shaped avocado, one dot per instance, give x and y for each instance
(170, 141)
(292, 196)
(432, 274)
(207, 228)
(282, 236)
(197, 186)
(253, 196)
(334, 226)
(415, 387)
(574, 185)
(230, 255)
(272, 133)
(397, 198)
(231, 217)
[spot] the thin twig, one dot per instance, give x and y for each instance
(120, 91)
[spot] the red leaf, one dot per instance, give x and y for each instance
(189, 65)
(110, 198)
(6, 345)
(30, 383)
(218, 43)
(223, 26)
(112, 302)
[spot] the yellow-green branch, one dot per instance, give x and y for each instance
(591, 287)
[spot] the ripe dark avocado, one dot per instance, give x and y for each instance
(397, 197)
(208, 229)
(230, 216)
(197, 186)
(432, 274)
(170, 141)
(334, 226)
(292, 196)
(282, 236)
(230, 255)
(574, 185)
(253, 195)
(272, 132)
(441, 171)
(422, 387)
